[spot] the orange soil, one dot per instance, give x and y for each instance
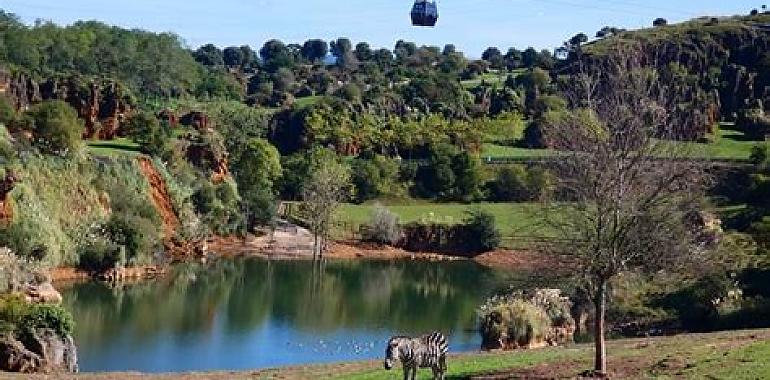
(160, 196)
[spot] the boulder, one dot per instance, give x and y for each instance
(43, 352)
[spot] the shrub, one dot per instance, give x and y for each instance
(383, 226)
(15, 271)
(698, 305)
(481, 234)
(513, 324)
(56, 127)
(101, 255)
(521, 318)
(47, 316)
(22, 319)
(7, 112)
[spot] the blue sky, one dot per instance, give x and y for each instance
(471, 25)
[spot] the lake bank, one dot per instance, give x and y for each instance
(247, 312)
(733, 354)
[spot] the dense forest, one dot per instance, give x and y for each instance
(414, 119)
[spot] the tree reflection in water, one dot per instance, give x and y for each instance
(249, 313)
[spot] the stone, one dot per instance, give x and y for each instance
(45, 352)
(42, 293)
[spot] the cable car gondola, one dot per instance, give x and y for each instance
(424, 13)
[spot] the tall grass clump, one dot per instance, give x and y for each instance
(525, 319)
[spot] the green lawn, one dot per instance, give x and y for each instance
(111, 148)
(727, 144)
(307, 101)
(512, 218)
(502, 151)
(489, 78)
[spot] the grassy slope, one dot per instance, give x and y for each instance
(727, 144)
(113, 148)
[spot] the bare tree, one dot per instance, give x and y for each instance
(327, 187)
(625, 187)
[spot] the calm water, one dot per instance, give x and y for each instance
(250, 313)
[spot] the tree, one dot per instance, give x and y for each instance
(363, 52)
(383, 57)
(530, 58)
(315, 50)
(275, 55)
(513, 59)
(249, 56)
(609, 31)
(327, 187)
(233, 56)
(404, 50)
(56, 127)
(629, 191)
(257, 170)
(342, 49)
(660, 21)
(209, 55)
(145, 129)
(494, 57)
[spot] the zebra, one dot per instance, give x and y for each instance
(427, 351)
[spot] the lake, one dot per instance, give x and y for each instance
(252, 313)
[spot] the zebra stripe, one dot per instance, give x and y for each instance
(427, 351)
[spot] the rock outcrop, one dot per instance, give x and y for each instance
(102, 105)
(160, 197)
(44, 351)
(42, 293)
(6, 186)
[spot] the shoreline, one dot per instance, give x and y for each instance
(254, 246)
(630, 358)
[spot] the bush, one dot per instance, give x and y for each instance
(522, 318)
(513, 324)
(481, 231)
(383, 226)
(7, 112)
(56, 127)
(47, 317)
(22, 319)
(101, 255)
(698, 305)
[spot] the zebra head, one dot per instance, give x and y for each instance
(393, 351)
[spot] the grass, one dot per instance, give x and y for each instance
(723, 355)
(728, 144)
(496, 151)
(494, 79)
(113, 148)
(512, 218)
(307, 101)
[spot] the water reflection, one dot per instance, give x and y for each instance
(251, 313)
